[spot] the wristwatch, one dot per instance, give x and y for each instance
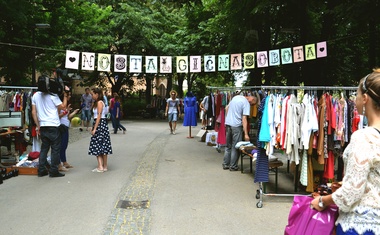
(320, 203)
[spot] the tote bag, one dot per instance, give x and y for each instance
(305, 220)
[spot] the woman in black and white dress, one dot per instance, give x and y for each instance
(100, 143)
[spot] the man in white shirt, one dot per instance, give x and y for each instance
(45, 107)
(236, 123)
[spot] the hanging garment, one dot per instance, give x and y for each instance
(222, 140)
(262, 163)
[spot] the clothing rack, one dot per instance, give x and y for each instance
(260, 191)
(339, 88)
(18, 87)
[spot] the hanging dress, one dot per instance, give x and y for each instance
(191, 108)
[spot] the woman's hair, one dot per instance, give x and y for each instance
(173, 91)
(98, 91)
(370, 84)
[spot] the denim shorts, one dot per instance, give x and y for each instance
(172, 117)
(86, 115)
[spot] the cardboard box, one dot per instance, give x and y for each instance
(24, 170)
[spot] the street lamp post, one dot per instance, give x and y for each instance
(36, 26)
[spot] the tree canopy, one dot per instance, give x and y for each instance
(198, 27)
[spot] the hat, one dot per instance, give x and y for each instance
(33, 155)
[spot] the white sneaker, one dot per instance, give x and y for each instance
(173, 132)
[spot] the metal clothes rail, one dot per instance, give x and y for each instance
(261, 191)
(286, 88)
(18, 87)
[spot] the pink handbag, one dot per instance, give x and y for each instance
(304, 220)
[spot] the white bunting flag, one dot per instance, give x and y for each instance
(120, 63)
(165, 64)
(88, 61)
(151, 65)
(209, 63)
(195, 64)
(72, 59)
(135, 64)
(182, 64)
(104, 62)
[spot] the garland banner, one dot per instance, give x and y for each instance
(193, 64)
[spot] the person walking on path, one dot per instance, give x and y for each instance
(111, 105)
(117, 114)
(45, 107)
(358, 198)
(100, 143)
(236, 123)
(86, 104)
(65, 116)
(172, 111)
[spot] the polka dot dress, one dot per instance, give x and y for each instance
(100, 142)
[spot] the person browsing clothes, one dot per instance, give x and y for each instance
(236, 123)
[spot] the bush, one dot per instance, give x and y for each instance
(133, 107)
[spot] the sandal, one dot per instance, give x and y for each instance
(97, 170)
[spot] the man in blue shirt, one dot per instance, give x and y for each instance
(236, 123)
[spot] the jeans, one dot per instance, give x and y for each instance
(118, 125)
(64, 144)
(113, 120)
(231, 155)
(50, 138)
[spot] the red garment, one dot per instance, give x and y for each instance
(329, 166)
(355, 121)
(330, 115)
(284, 124)
(218, 104)
(222, 140)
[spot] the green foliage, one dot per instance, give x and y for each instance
(195, 27)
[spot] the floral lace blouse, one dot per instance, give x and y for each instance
(359, 197)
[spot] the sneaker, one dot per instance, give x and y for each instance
(234, 169)
(225, 167)
(124, 132)
(173, 132)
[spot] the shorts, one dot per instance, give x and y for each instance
(86, 115)
(172, 117)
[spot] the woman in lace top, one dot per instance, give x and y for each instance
(359, 197)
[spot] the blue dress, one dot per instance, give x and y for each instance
(191, 108)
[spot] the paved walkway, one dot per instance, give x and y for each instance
(157, 183)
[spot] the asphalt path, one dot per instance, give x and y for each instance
(156, 183)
